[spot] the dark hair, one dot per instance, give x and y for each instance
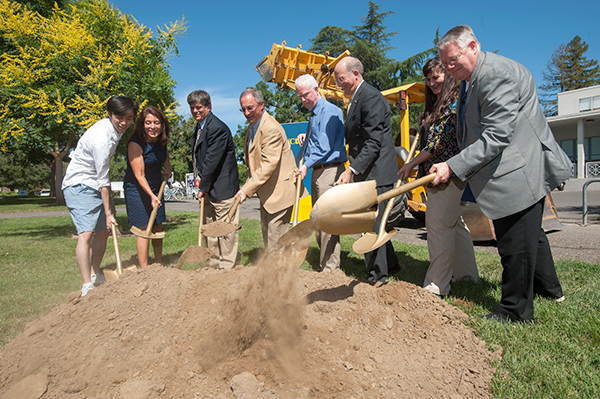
(121, 106)
(140, 132)
(199, 96)
(435, 105)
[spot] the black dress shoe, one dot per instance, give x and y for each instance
(504, 319)
(496, 317)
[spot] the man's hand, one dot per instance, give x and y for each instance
(344, 177)
(241, 195)
(301, 171)
(301, 137)
(442, 171)
(202, 194)
(110, 219)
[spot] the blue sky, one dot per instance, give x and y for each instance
(226, 39)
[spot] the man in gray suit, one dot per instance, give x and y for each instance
(510, 161)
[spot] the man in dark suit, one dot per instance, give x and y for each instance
(371, 150)
(511, 162)
(216, 167)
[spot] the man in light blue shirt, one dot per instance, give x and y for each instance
(323, 150)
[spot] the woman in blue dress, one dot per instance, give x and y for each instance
(146, 155)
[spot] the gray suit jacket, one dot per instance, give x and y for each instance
(508, 153)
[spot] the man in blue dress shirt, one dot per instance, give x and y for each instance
(323, 150)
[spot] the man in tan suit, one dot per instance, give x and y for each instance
(271, 167)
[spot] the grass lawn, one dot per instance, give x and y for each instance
(14, 204)
(557, 357)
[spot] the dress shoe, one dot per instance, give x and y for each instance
(496, 317)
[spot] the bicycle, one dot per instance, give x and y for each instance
(175, 194)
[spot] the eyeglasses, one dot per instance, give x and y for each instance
(452, 60)
(342, 79)
(248, 109)
(304, 96)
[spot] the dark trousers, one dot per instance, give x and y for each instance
(528, 267)
(380, 260)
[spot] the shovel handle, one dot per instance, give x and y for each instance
(394, 192)
(155, 210)
(234, 208)
(390, 205)
(297, 201)
(113, 229)
(201, 221)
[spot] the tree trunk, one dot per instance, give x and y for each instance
(58, 168)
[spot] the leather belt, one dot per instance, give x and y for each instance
(327, 165)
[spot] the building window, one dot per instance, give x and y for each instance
(596, 102)
(568, 147)
(585, 104)
(592, 149)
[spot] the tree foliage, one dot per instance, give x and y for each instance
(58, 71)
(17, 171)
(568, 69)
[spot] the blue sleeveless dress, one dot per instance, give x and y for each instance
(139, 205)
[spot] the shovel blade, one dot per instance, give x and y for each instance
(346, 209)
(111, 275)
(371, 241)
(142, 233)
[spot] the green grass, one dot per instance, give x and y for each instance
(14, 204)
(556, 357)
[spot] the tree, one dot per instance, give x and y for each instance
(19, 172)
(58, 72)
(568, 69)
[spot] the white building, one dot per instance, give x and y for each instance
(577, 129)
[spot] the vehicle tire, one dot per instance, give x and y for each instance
(398, 211)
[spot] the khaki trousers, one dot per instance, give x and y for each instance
(449, 241)
(225, 248)
(322, 180)
(274, 225)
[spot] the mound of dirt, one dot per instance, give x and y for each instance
(267, 331)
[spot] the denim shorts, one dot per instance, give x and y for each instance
(86, 208)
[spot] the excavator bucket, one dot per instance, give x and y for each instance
(482, 228)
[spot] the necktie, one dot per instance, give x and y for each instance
(195, 161)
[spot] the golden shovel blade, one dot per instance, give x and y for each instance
(143, 234)
(371, 241)
(346, 209)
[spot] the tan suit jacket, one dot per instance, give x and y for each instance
(271, 163)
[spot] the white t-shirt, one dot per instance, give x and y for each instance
(90, 160)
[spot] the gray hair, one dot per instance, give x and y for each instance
(462, 35)
(353, 64)
(199, 96)
(257, 94)
(306, 80)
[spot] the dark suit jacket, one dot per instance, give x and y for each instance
(369, 137)
(508, 153)
(215, 157)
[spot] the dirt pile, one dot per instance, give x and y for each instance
(251, 332)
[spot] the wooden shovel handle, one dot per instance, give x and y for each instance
(201, 221)
(297, 201)
(113, 229)
(234, 208)
(155, 210)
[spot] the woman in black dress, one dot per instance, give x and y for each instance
(146, 154)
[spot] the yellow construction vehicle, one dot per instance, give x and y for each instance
(284, 64)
